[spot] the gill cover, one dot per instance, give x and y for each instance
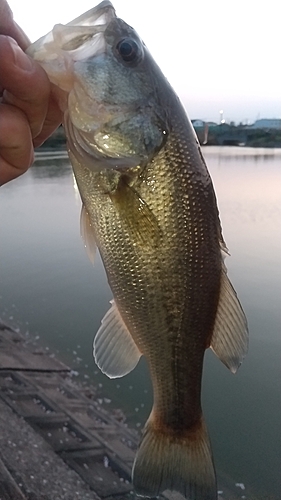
(98, 64)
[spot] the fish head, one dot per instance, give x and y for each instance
(107, 85)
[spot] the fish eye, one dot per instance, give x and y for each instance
(128, 49)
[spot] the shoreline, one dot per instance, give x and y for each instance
(56, 418)
(56, 441)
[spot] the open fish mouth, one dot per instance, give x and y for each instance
(79, 39)
(59, 52)
(84, 59)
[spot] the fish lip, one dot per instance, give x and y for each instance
(89, 17)
(94, 21)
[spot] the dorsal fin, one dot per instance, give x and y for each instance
(230, 338)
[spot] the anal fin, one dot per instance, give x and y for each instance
(115, 351)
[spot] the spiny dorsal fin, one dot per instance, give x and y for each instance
(223, 247)
(230, 338)
(115, 351)
(87, 234)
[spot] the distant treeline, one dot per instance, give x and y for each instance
(241, 135)
(220, 135)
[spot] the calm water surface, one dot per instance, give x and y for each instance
(49, 288)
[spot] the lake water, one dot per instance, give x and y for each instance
(50, 289)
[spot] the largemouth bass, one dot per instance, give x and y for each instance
(150, 208)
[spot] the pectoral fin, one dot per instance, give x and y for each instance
(87, 234)
(115, 351)
(230, 338)
(136, 215)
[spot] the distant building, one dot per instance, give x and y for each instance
(267, 123)
(198, 123)
(201, 123)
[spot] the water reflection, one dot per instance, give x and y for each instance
(50, 164)
(49, 287)
(235, 153)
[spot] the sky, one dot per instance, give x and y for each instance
(218, 55)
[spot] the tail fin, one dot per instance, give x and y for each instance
(182, 463)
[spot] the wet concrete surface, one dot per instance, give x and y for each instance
(56, 441)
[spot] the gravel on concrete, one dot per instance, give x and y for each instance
(33, 470)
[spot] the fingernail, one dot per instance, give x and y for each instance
(20, 58)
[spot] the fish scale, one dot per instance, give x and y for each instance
(172, 260)
(150, 208)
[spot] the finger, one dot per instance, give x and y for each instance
(26, 83)
(15, 143)
(53, 119)
(10, 28)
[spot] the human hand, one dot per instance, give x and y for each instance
(28, 111)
